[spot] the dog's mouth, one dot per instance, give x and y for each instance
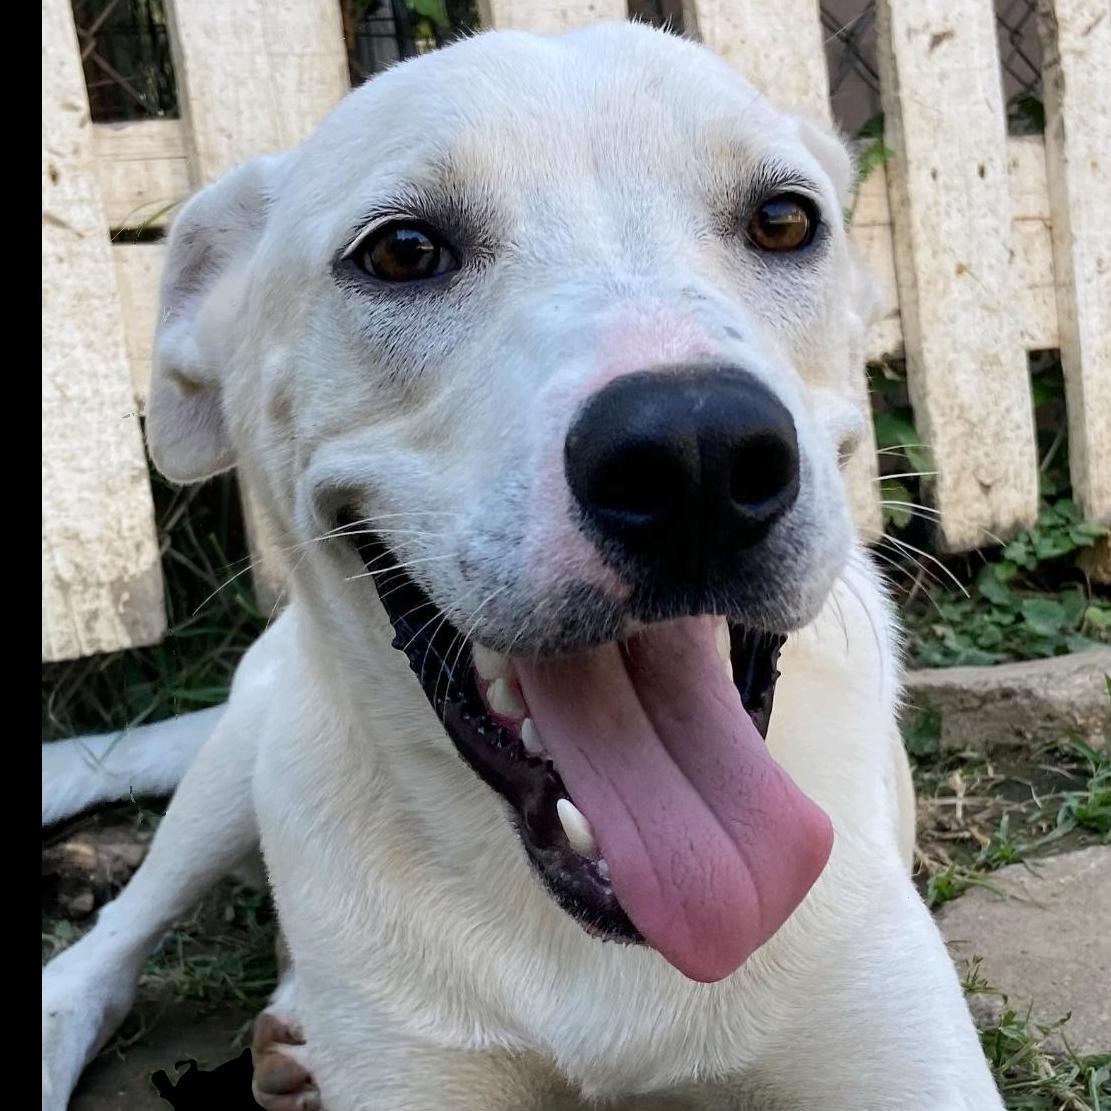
(636, 773)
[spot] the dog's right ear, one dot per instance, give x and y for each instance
(207, 263)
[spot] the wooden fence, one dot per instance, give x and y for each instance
(989, 246)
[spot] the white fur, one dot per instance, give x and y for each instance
(431, 967)
(143, 760)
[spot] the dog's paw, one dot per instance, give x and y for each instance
(283, 1080)
(85, 996)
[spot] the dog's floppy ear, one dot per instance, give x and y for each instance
(209, 251)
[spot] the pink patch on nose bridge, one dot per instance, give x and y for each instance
(647, 338)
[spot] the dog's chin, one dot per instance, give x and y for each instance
(494, 732)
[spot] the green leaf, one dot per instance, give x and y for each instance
(1098, 616)
(900, 514)
(434, 10)
(895, 431)
(1020, 552)
(1075, 603)
(1087, 532)
(1052, 545)
(922, 733)
(1045, 616)
(988, 583)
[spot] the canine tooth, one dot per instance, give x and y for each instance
(505, 700)
(530, 738)
(721, 638)
(577, 829)
(721, 635)
(603, 867)
(488, 663)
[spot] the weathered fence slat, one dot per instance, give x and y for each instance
(870, 231)
(143, 169)
(548, 17)
(1076, 50)
(255, 78)
(955, 263)
(986, 247)
(1035, 309)
(139, 272)
(101, 579)
(777, 46)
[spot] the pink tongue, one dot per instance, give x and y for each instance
(710, 844)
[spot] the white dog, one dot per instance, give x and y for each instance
(537, 354)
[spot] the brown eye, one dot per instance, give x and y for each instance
(404, 252)
(783, 223)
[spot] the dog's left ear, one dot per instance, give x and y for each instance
(204, 280)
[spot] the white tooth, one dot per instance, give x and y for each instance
(577, 829)
(721, 634)
(530, 738)
(505, 700)
(488, 663)
(603, 867)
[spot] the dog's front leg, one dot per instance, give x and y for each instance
(208, 829)
(419, 1076)
(884, 1026)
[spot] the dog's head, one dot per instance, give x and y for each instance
(551, 339)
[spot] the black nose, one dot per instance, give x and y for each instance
(683, 469)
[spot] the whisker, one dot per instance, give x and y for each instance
(251, 563)
(895, 449)
(474, 618)
(932, 558)
(922, 512)
(867, 613)
(836, 603)
(428, 646)
(424, 533)
(400, 566)
(911, 505)
(917, 563)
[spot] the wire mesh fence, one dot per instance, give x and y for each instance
(381, 32)
(850, 43)
(125, 52)
(125, 49)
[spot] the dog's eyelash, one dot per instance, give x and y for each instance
(373, 225)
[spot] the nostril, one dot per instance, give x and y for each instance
(764, 473)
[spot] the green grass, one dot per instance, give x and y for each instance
(223, 953)
(978, 814)
(212, 621)
(1032, 1063)
(981, 814)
